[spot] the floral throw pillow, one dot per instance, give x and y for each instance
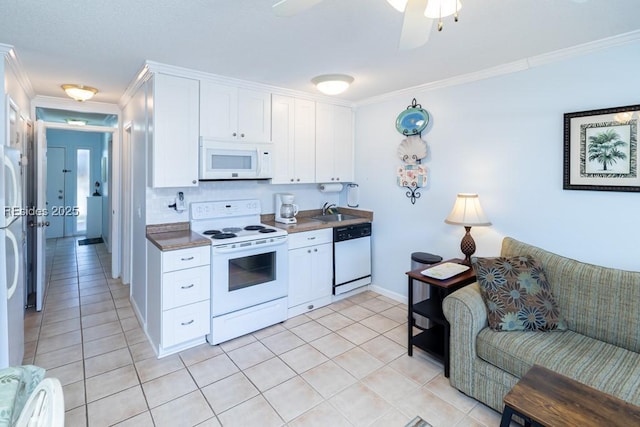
(517, 295)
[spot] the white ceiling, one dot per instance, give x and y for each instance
(104, 43)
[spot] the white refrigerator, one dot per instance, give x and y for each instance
(12, 241)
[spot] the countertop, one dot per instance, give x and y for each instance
(306, 223)
(169, 237)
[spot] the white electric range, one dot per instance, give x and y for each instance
(248, 267)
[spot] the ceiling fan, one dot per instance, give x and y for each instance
(419, 16)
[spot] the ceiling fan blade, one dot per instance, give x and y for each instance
(416, 27)
(292, 7)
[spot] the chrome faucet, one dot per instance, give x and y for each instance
(327, 207)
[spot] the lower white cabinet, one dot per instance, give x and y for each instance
(310, 270)
(178, 295)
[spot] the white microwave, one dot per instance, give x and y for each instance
(234, 160)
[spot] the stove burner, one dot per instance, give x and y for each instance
(231, 229)
(210, 232)
(267, 230)
(254, 227)
(223, 236)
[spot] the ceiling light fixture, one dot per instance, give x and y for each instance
(436, 9)
(332, 84)
(80, 93)
(76, 122)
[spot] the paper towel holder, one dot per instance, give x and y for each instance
(330, 188)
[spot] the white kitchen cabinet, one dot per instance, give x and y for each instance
(179, 289)
(173, 131)
(334, 143)
(310, 270)
(230, 113)
(293, 132)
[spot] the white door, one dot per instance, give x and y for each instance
(55, 190)
(41, 206)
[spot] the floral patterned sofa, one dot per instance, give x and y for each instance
(600, 348)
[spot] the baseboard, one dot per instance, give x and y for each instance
(389, 294)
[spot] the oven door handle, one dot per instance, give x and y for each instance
(227, 250)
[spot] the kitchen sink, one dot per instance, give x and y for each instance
(334, 217)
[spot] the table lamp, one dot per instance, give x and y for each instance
(467, 212)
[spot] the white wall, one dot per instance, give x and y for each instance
(502, 138)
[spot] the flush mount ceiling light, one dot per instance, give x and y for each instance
(80, 93)
(76, 122)
(332, 84)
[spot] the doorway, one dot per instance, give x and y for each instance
(56, 170)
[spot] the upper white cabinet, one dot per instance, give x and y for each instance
(293, 132)
(334, 143)
(173, 112)
(231, 113)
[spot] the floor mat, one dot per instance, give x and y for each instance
(92, 241)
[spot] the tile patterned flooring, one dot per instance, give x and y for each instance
(340, 365)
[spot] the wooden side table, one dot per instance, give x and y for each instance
(545, 398)
(434, 340)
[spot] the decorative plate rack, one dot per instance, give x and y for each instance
(411, 174)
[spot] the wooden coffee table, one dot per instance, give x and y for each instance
(546, 398)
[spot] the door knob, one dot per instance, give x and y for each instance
(46, 224)
(60, 197)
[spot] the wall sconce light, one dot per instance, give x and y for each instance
(467, 212)
(80, 93)
(332, 84)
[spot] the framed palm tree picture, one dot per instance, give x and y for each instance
(601, 149)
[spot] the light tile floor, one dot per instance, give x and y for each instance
(340, 365)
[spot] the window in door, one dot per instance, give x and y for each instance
(82, 188)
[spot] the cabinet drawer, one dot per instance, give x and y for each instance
(185, 258)
(310, 238)
(185, 323)
(185, 287)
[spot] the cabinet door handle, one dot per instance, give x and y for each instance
(235, 134)
(187, 287)
(187, 323)
(315, 250)
(308, 251)
(186, 259)
(242, 135)
(311, 238)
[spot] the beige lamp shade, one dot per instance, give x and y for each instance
(467, 211)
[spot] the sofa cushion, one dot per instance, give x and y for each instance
(611, 369)
(595, 301)
(517, 294)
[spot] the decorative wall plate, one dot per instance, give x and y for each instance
(412, 149)
(412, 121)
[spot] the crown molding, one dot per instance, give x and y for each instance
(9, 53)
(511, 67)
(142, 76)
(73, 105)
(150, 67)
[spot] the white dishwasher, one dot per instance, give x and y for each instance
(351, 257)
